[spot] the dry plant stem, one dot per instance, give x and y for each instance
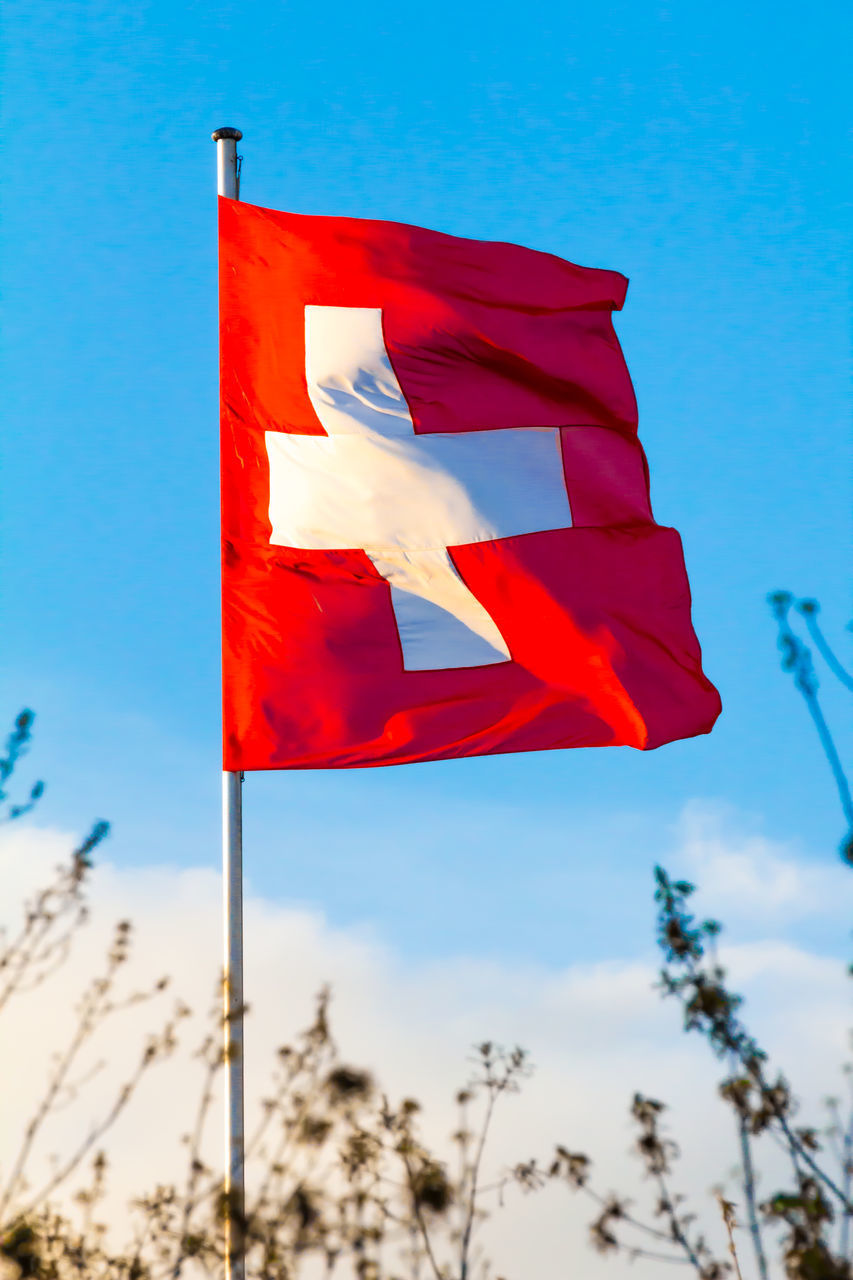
(463, 1139)
(726, 1210)
(727, 1033)
(65, 1171)
(465, 1245)
(798, 1152)
(675, 1226)
(289, 1133)
(140, 1243)
(191, 1199)
(796, 658)
(94, 1005)
(847, 1174)
(18, 958)
(749, 1192)
(53, 960)
(822, 645)
(831, 751)
(416, 1254)
(42, 915)
(17, 744)
(322, 1056)
(630, 1221)
(419, 1219)
(649, 1255)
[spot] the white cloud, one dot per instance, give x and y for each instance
(596, 1032)
(745, 874)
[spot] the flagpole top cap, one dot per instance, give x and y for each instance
(219, 134)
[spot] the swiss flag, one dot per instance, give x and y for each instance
(436, 530)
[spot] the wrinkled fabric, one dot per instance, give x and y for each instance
(481, 337)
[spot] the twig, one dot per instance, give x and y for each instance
(465, 1243)
(847, 1175)
(419, 1219)
(678, 1233)
(749, 1192)
(809, 610)
(796, 658)
(147, 1058)
(727, 1210)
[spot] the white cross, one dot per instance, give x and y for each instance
(371, 483)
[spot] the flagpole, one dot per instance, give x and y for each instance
(228, 184)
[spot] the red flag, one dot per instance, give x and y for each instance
(437, 538)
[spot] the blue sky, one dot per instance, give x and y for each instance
(703, 153)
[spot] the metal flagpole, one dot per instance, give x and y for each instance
(228, 184)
